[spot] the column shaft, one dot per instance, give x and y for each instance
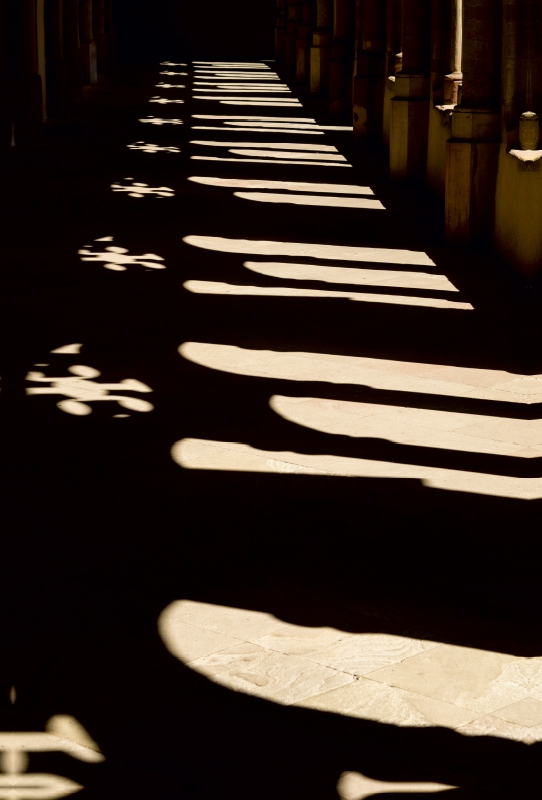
(72, 46)
(304, 40)
(370, 64)
(410, 106)
(57, 66)
(88, 43)
(321, 47)
(473, 150)
(341, 63)
(98, 23)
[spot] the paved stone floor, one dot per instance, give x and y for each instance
(270, 460)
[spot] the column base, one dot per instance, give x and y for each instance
(27, 110)
(101, 45)
(340, 77)
(469, 205)
(303, 48)
(368, 97)
(518, 207)
(58, 91)
(408, 137)
(90, 62)
(290, 41)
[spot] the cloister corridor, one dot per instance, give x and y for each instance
(295, 554)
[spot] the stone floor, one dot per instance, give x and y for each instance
(295, 553)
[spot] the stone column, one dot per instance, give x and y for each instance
(321, 47)
(410, 106)
(280, 31)
(304, 40)
(341, 64)
(21, 115)
(72, 47)
(518, 205)
(57, 68)
(290, 38)
(454, 78)
(472, 151)
(370, 65)
(88, 43)
(98, 24)
(394, 29)
(109, 31)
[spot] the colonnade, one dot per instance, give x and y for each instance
(451, 88)
(49, 49)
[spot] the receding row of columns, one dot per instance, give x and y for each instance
(49, 49)
(452, 89)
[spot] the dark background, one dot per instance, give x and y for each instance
(154, 30)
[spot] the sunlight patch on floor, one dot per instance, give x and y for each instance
(310, 200)
(351, 275)
(391, 679)
(382, 255)
(217, 287)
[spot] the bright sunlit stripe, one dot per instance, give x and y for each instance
(311, 200)
(243, 100)
(245, 117)
(242, 89)
(354, 276)
(214, 455)
(299, 126)
(215, 287)
(255, 130)
(288, 154)
(327, 148)
(253, 102)
(269, 161)
(290, 186)
(381, 255)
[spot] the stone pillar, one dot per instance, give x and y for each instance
(280, 31)
(472, 151)
(454, 78)
(304, 40)
(290, 38)
(394, 28)
(321, 47)
(21, 112)
(88, 43)
(72, 47)
(518, 205)
(109, 31)
(341, 64)
(57, 68)
(98, 24)
(370, 65)
(410, 106)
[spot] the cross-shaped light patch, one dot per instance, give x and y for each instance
(160, 121)
(164, 101)
(80, 388)
(118, 258)
(153, 148)
(141, 189)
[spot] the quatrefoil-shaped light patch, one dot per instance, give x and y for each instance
(164, 101)
(153, 148)
(119, 259)
(163, 85)
(160, 121)
(135, 189)
(80, 388)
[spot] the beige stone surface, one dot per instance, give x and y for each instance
(274, 676)
(394, 679)
(478, 680)
(355, 786)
